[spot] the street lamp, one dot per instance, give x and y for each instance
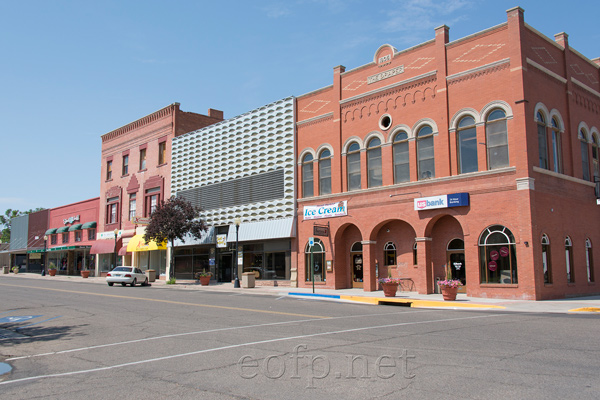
(237, 223)
(44, 264)
(116, 232)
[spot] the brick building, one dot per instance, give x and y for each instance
(135, 176)
(475, 158)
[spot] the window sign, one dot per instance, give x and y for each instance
(222, 241)
(443, 201)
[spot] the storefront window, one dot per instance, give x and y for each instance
(315, 261)
(389, 254)
(497, 256)
(589, 260)
(546, 264)
(569, 260)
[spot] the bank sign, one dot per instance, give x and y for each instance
(339, 209)
(443, 201)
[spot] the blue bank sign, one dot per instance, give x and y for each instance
(443, 201)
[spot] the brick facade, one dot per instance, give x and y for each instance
(476, 99)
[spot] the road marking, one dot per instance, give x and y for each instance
(202, 332)
(171, 302)
(39, 322)
(87, 371)
(19, 318)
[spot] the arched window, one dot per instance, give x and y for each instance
(315, 261)
(589, 260)
(497, 255)
(374, 178)
(325, 172)
(466, 138)
(497, 139)
(585, 159)
(401, 159)
(542, 141)
(595, 157)
(546, 264)
(389, 254)
(353, 166)
(556, 145)
(425, 154)
(569, 260)
(307, 176)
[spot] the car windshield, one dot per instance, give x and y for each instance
(126, 269)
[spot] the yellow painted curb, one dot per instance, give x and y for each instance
(417, 303)
(586, 309)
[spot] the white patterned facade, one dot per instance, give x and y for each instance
(258, 142)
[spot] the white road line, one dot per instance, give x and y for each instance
(199, 333)
(87, 371)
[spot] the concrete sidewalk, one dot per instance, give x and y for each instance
(590, 304)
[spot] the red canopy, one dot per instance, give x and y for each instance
(103, 247)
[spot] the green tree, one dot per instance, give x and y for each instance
(174, 219)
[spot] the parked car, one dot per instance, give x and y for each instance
(126, 275)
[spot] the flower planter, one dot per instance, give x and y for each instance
(389, 289)
(449, 292)
(204, 280)
(85, 274)
(52, 272)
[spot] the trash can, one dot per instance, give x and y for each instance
(248, 279)
(151, 274)
(5, 270)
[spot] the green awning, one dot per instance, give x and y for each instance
(35, 251)
(89, 225)
(69, 248)
(75, 227)
(50, 231)
(62, 229)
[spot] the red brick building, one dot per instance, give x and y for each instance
(475, 158)
(135, 176)
(70, 234)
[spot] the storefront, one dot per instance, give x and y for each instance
(147, 256)
(70, 236)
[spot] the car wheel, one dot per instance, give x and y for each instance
(123, 284)
(133, 282)
(145, 283)
(110, 283)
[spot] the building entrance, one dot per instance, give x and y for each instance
(224, 273)
(357, 265)
(455, 255)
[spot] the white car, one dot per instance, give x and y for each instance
(126, 275)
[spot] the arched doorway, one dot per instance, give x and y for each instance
(315, 261)
(455, 264)
(356, 257)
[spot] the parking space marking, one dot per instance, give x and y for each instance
(204, 332)
(39, 322)
(17, 318)
(110, 367)
(172, 302)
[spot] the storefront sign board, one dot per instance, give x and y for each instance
(443, 201)
(339, 209)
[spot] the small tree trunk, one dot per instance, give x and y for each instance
(172, 261)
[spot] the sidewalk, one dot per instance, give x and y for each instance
(590, 304)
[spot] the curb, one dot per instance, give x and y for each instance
(414, 303)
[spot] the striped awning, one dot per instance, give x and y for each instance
(263, 230)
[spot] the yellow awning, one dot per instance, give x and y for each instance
(137, 243)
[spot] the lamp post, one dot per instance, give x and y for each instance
(44, 263)
(237, 223)
(116, 232)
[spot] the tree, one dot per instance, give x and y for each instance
(174, 219)
(5, 221)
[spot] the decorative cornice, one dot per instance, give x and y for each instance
(585, 87)
(479, 71)
(563, 176)
(546, 71)
(418, 80)
(315, 120)
(162, 113)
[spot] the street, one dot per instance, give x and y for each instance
(79, 340)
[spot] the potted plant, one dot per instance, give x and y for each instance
(389, 285)
(449, 287)
(15, 269)
(85, 273)
(52, 269)
(204, 277)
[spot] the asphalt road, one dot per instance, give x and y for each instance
(99, 342)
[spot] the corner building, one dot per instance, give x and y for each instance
(476, 158)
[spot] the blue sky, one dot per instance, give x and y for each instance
(72, 71)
